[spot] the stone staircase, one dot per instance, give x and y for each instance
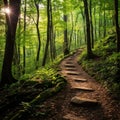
(77, 82)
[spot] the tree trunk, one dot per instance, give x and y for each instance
(91, 25)
(100, 20)
(117, 76)
(83, 16)
(104, 20)
(48, 33)
(65, 46)
(38, 33)
(24, 48)
(89, 50)
(11, 25)
(117, 25)
(95, 25)
(18, 44)
(52, 46)
(71, 34)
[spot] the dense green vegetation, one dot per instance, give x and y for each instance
(42, 35)
(30, 92)
(35, 35)
(104, 65)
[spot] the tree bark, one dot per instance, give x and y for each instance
(100, 20)
(89, 50)
(117, 76)
(71, 34)
(83, 16)
(11, 25)
(95, 24)
(38, 33)
(104, 20)
(91, 25)
(24, 48)
(117, 25)
(48, 35)
(65, 46)
(52, 46)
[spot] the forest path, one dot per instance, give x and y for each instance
(84, 98)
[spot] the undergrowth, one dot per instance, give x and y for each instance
(105, 66)
(19, 96)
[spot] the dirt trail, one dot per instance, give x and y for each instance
(83, 98)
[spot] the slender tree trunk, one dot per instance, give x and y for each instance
(16, 61)
(117, 25)
(52, 45)
(19, 39)
(95, 26)
(48, 33)
(100, 20)
(71, 34)
(11, 25)
(66, 45)
(117, 76)
(83, 16)
(91, 25)
(89, 50)
(104, 20)
(24, 49)
(38, 33)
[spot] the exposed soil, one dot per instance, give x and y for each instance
(59, 107)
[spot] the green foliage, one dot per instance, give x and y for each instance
(31, 91)
(106, 46)
(104, 67)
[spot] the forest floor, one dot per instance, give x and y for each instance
(83, 98)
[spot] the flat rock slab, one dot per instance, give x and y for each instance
(69, 62)
(71, 69)
(80, 80)
(69, 65)
(73, 73)
(72, 117)
(83, 89)
(70, 58)
(84, 101)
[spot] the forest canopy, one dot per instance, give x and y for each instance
(43, 30)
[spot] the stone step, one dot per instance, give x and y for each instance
(72, 117)
(71, 69)
(84, 102)
(80, 80)
(83, 88)
(69, 65)
(70, 59)
(72, 73)
(69, 62)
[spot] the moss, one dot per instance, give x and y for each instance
(23, 113)
(30, 91)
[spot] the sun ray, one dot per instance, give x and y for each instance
(6, 10)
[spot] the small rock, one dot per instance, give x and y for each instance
(72, 73)
(71, 69)
(83, 88)
(84, 101)
(68, 62)
(69, 65)
(72, 117)
(80, 80)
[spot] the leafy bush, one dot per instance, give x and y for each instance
(106, 66)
